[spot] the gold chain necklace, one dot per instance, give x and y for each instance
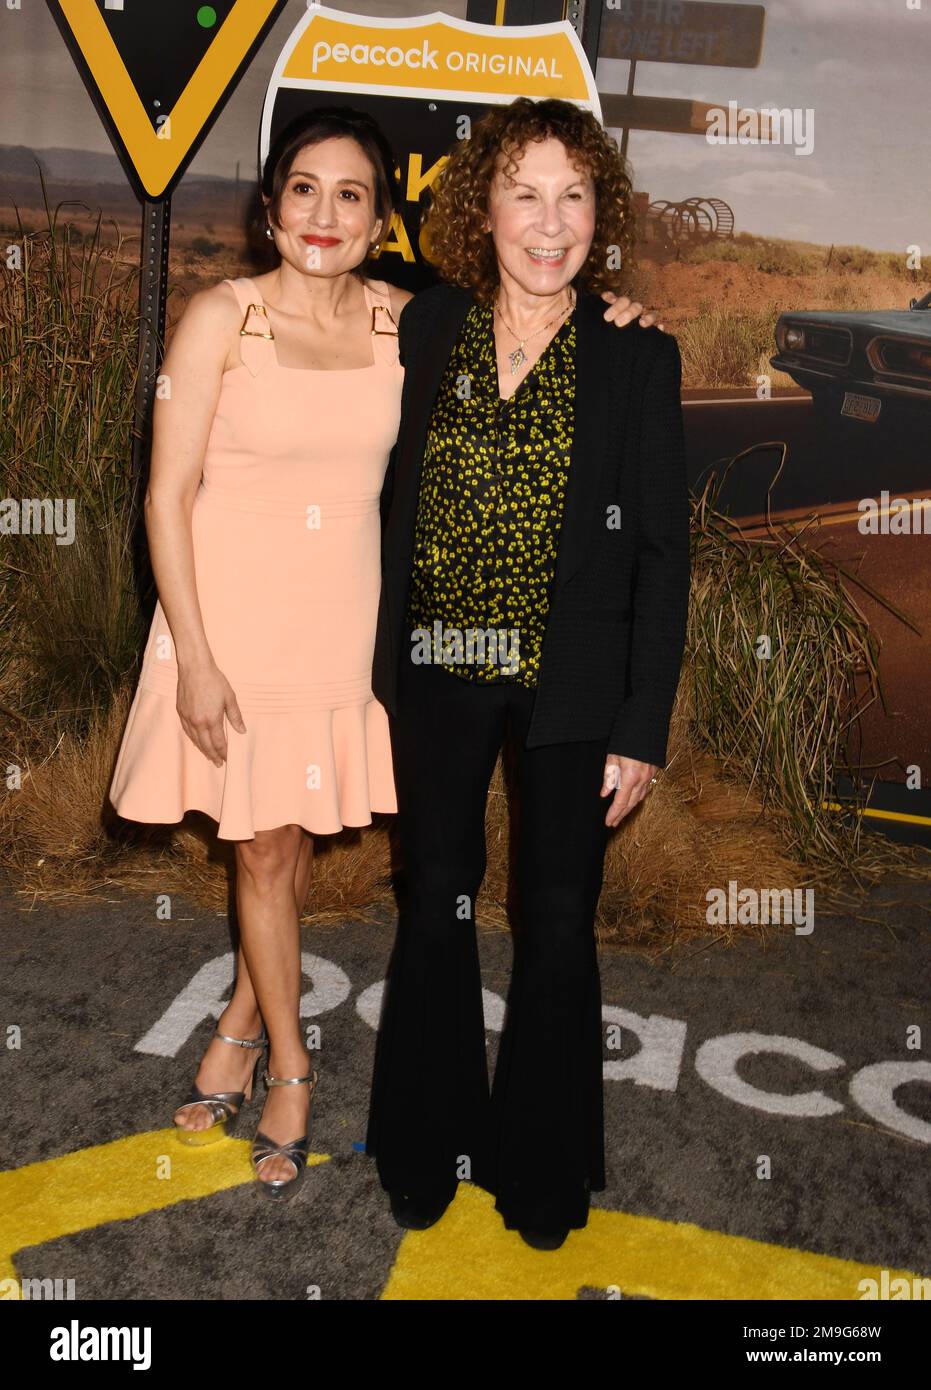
(518, 357)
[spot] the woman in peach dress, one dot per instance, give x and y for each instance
(254, 702)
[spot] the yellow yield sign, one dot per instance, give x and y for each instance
(159, 74)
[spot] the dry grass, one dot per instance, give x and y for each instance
(725, 347)
(69, 613)
(60, 840)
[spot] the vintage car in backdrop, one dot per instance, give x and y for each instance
(869, 366)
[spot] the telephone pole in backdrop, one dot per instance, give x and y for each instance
(583, 15)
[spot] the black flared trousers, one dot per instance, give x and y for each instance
(536, 1141)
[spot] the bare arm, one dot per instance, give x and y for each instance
(192, 374)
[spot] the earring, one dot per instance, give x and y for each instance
(269, 233)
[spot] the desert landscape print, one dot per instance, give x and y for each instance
(721, 294)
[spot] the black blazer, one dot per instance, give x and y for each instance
(616, 628)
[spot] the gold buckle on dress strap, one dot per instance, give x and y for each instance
(245, 332)
(386, 332)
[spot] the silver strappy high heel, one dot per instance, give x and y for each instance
(295, 1151)
(224, 1106)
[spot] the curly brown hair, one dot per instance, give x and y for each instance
(464, 254)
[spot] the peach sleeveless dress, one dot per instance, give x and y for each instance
(286, 536)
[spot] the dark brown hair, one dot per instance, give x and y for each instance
(464, 254)
(310, 128)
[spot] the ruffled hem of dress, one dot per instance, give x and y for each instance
(324, 769)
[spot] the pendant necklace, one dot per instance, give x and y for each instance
(518, 357)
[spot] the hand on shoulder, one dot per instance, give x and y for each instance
(623, 310)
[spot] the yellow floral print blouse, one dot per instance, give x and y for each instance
(490, 508)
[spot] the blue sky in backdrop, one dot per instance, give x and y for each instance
(861, 66)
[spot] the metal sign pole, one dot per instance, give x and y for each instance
(153, 297)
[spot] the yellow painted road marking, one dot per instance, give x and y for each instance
(876, 814)
(113, 1182)
(468, 1254)
(830, 514)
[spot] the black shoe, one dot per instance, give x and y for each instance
(416, 1214)
(542, 1240)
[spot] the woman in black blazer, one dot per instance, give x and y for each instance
(535, 592)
